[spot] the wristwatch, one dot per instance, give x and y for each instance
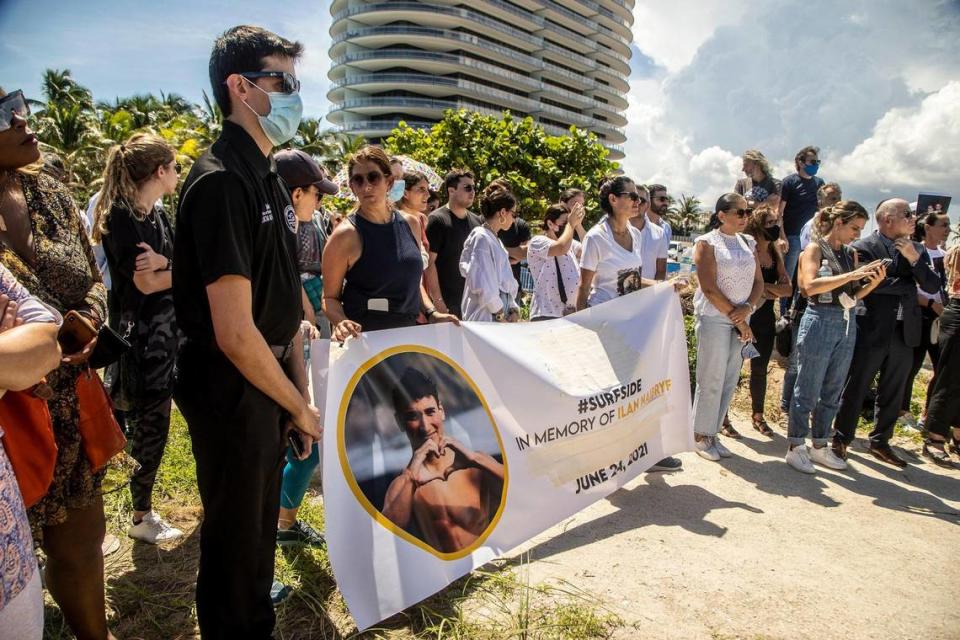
(429, 312)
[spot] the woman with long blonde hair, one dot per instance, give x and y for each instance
(138, 241)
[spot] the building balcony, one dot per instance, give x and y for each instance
(432, 86)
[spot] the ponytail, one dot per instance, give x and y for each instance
(128, 167)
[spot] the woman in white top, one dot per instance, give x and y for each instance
(610, 262)
(490, 290)
(731, 287)
(554, 262)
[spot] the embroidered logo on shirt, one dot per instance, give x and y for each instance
(267, 215)
(291, 218)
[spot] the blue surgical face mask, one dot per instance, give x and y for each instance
(811, 169)
(396, 191)
(286, 109)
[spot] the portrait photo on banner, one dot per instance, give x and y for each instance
(423, 453)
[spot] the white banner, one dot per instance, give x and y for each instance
(445, 447)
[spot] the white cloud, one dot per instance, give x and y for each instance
(916, 147)
(856, 78)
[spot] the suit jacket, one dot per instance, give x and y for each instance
(899, 288)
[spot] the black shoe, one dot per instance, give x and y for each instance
(884, 453)
(668, 464)
(300, 534)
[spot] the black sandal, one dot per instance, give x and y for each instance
(762, 426)
(728, 429)
(936, 451)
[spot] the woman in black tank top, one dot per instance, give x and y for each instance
(372, 267)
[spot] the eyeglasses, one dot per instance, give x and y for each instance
(633, 195)
(468, 188)
(12, 104)
(358, 180)
(290, 84)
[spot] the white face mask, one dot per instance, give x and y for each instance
(396, 191)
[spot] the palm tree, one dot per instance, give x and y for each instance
(60, 87)
(685, 215)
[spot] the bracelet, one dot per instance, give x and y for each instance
(429, 312)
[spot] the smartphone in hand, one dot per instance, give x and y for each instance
(75, 333)
(293, 438)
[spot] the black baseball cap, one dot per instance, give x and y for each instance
(298, 169)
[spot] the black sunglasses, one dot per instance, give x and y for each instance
(468, 188)
(290, 84)
(12, 104)
(633, 195)
(177, 167)
(358, 180)
(741, 213)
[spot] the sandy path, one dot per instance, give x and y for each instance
(749, 548)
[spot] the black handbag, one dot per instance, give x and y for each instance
(110, 346)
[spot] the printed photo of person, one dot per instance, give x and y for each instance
(928, 203)
(437, 469)
(628, 281)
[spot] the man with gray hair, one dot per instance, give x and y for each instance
(889, 330)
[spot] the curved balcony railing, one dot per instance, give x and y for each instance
(402, 30)
(390, 102)
(512, 100)
(628, 15)
(381, 125)
(466, 14)
(452, 58)
(569, 55)
(603, 51)
(560, 131)
(579, 98)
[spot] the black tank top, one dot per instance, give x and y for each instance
(390, 266)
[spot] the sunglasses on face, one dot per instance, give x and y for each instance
(12, 104)
(633, 195)
(741, 213)
(358, 180)
(177, 167)
(290, 84)
(468, 188)
(815, 161)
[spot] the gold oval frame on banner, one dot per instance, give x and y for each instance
(352, 481)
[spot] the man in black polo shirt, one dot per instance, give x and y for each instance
(237, 294)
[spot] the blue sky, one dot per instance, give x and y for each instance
(710, 78)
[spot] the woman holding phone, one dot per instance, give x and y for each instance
(44, 244)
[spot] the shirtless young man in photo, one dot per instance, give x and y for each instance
(447, 492)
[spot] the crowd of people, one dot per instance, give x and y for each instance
(254, 267)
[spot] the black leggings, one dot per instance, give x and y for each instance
(919, 353)
(943, 410)
(763, 325)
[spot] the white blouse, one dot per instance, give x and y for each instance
(490, 284)
(736, 270)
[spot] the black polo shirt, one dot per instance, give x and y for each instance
(235, 218)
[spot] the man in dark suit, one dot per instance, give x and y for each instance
(888, 331)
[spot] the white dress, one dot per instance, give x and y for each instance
(489, 285)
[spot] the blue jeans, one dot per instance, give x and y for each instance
(825, 344)
(790, 261)
(718, 370)
(296, 477)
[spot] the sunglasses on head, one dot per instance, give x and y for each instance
(12, 104)
(633, 195)
(358, 180)
(290, 84)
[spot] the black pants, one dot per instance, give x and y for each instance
(893, 359)
(148, 426)
(238, 441)
(943, 409)
(919, 353)
(764, 327)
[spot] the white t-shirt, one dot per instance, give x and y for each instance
(546, 290)
(616, 271)
(667, 229)
(805, 233)
(655, 247)
(736, 269)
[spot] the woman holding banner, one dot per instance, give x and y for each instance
(372, 264)
(490, 290)
(731, 287)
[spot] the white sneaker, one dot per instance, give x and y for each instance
(799, 459)
(152, 529)
(706, 448)
(826, 457)
(907, 421)
(722, 450)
